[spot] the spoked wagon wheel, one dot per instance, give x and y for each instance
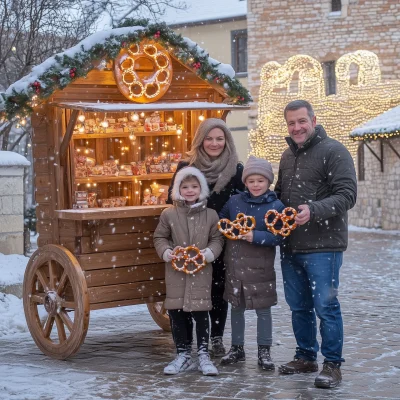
(159, 315)
(56, 301)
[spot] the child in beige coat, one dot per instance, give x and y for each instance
(189, 222)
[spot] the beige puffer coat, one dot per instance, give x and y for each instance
(183, 225)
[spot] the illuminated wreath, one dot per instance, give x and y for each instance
(240, 226)
(184, 257)
(285, 219)
(131, 78)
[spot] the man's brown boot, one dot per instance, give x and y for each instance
(330, 376)
(298, 366)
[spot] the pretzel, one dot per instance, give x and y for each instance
(285, 218)
(241, 224)
(183, 254)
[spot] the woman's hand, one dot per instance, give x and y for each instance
(248, 236)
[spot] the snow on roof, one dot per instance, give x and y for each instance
(12, 159)
(84, 45)
(388, 122)
(55, 72)
(205, 10)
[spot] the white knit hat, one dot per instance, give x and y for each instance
(181, 175)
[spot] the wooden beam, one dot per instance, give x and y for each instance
(68, 134)
(380, 159)
(391, 146)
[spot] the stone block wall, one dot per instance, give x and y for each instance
(378, 199)
(280, 29)
(11, 209)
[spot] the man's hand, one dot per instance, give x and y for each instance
(247, 236)
(304, 215)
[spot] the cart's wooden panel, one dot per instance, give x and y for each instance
(117, 242)
(127, 291)
(122, 303)
(135, 273)
(118, 259)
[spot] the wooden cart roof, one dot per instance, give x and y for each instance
(127, 107)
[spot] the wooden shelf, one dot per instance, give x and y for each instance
(111, 213)
(108, 135)
(124, 178)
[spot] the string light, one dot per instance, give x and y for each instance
(81, 118)
(201, 117)
(340, 113)
(158, 81)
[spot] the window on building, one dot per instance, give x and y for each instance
(360, 162)
(329, 77)
(336, 5)
(239, 51)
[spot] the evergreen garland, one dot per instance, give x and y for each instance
(67, 69)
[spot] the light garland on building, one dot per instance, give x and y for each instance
(350, 107)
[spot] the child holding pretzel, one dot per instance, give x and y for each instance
(189, 222)
(250, 276)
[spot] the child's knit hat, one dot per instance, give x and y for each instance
(258, 166)
(185, 173)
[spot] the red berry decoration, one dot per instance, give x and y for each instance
(196, 65)
(72, 72)
(36, 86)
(157, 34)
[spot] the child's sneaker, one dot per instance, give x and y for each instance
(236, 353)
(182, 362)
(206, 365)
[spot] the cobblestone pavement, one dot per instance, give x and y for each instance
(125, 352)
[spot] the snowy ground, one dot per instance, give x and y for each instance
(124, 352)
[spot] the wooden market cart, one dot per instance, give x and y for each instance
(95, 258)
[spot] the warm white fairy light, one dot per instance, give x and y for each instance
(152, 86)
(135, 117)
(81, 118)
(201, 117)
(351, 106)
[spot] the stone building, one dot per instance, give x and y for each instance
(378, 165)
(326, 30)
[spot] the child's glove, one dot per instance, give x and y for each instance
(208, 255)
(167, 256)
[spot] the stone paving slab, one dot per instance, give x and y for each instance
(124, 355)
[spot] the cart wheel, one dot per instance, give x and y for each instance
(56, 301)
(159, 315)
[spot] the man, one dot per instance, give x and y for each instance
(316, 177)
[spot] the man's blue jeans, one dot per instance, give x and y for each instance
(311, 283)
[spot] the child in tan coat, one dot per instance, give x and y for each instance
(189, 222)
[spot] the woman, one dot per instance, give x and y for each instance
(213, 152)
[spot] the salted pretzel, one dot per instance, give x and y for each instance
(287, 215)
(240, 224)
(184, 254)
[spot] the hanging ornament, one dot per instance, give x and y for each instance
(36, 86)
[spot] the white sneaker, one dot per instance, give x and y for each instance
(182, 362)
(206, 365)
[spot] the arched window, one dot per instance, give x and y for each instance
(336, 5)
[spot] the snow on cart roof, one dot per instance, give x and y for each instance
(383, 126)
(127, 107)
(58, 71)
